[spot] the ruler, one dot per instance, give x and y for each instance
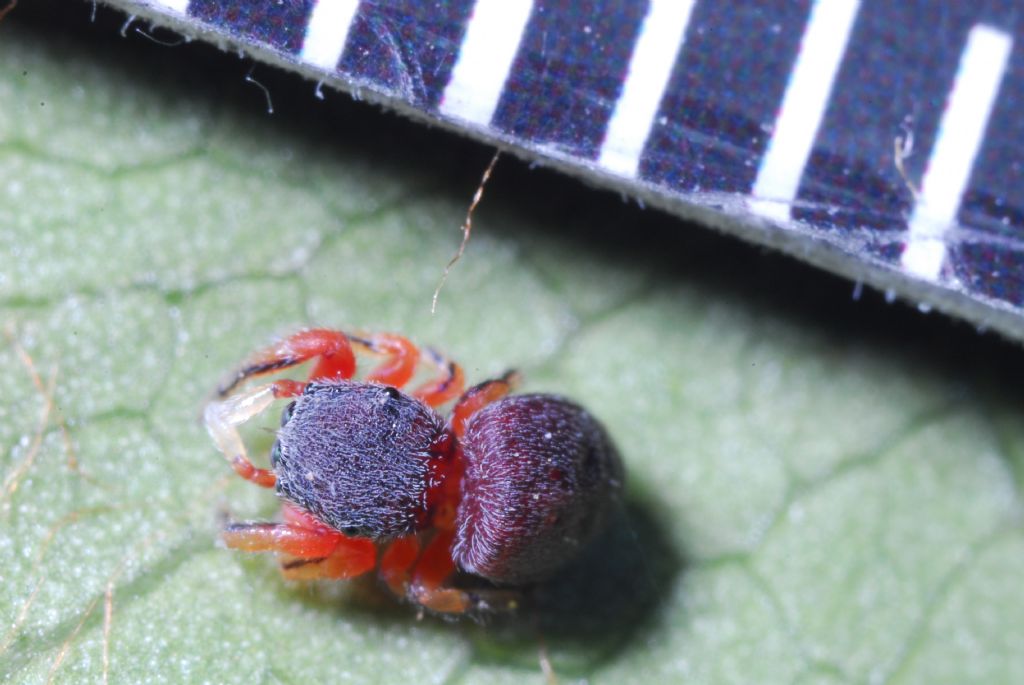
(880, 140)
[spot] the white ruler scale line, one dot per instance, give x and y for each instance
(327, 32)
(960, 135)
(485, 59)
(650, 68)
(803, 107)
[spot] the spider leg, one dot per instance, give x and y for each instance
(428, 588)
(478, 397)
(448, 384)
(307, 548)
(397, 562)
(432, 569)
(223, 417)
(336, 359)
(401, 356)
(399, 353)
(352, 557)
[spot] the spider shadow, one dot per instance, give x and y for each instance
(606, 598)
(592, 609)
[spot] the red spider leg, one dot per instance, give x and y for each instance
(303, 543)
(448, 385)
(397, 561)
(399, 366)
(478, 397)
(308, 548)
(352, 557)
(400, 358)
(332, 347)
(223, 417)
(434, 567)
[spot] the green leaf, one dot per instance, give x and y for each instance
(820, 490)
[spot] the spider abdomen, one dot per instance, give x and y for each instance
(541, 476)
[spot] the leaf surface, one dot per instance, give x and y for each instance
(820, 490)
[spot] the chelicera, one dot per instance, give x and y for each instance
(508, 488)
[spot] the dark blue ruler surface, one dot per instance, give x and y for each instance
(881, 140)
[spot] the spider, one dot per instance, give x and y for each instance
(509, 488)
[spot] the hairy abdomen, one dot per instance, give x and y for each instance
(541, 477)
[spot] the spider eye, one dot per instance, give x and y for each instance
(387, 396)
(286, 415)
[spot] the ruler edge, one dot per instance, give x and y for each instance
(981, 312)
